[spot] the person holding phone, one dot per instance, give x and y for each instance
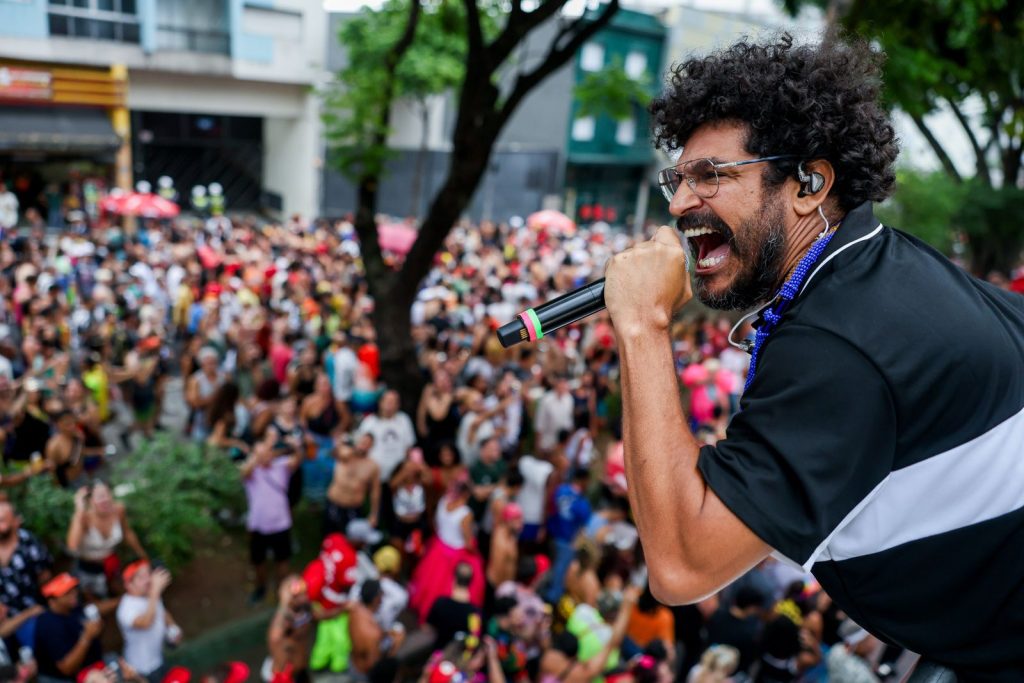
(98, 528)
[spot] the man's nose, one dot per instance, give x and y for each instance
(685, 199)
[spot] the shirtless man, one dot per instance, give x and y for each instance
(367, 635)
(355, 479)
(290, 637)
(501, 566)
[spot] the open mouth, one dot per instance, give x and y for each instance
(710, 247)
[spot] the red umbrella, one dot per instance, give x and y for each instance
(553, 221)
(145, 204)
(397, 238)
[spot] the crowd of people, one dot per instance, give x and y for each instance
(485, 535)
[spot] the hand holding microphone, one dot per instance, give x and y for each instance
(647, 284)
(643, 285)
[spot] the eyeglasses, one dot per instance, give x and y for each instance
(702, 175)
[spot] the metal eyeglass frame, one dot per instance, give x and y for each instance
(668, 178)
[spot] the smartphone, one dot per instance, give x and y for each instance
(113, 667)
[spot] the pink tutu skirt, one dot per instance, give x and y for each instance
(434, 577)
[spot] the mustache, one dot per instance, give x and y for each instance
(709, 220)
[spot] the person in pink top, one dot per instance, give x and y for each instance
(280, 356)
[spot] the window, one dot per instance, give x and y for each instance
(636, 65)
(583, 128)
(625, 132)
(193, 26)
(96, 19)
(592, 57)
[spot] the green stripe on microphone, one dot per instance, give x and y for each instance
(536, 323)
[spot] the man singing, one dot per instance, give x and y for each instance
(880, 440)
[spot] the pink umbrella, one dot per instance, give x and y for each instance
(145, 204)
(397, 238)
(554, 221)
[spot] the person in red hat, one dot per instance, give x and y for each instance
(328, 579)
(66, 641)
(144, 621)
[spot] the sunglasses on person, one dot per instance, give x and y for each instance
(702, 175)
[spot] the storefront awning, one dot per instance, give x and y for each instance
(56, 129)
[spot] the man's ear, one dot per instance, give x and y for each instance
(811, 191)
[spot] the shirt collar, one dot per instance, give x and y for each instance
(856, 224)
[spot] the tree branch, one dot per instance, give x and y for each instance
(1012, 160)
(936, 146)
(979, 154)
(519, 24)
(581, 31)
(366, 221)
(994, 110)
(474, 33)
(404, 43)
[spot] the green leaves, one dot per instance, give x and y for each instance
(963, 56)
(173, 490)
(433, 64)
(613, 92)
(178, 490)
(45, 509)
(925, 204)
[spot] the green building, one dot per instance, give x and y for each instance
(610, 163)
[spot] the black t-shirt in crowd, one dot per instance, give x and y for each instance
(881, 443)
(56, 635)
(448, 617)
(30, 436)
(726, 629)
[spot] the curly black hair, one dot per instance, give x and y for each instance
(814, 101)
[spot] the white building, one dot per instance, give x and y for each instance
(216, 91)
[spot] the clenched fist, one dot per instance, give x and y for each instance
(646, 284)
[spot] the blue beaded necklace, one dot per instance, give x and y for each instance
(772, 315)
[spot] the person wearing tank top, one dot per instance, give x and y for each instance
(454, 542)
(202, 385)
(409, 502)
(98, 527)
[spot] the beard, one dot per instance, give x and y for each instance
(7, 535)
(758, 245)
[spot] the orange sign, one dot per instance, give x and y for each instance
(61, 84)
(18, 83)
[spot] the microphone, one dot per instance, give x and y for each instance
(532, 324)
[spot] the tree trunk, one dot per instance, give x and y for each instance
(480, 120)
(940, 152)
(398, 361)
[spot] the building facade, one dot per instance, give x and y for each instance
(202, 91)
(609, 162)
(527, 165)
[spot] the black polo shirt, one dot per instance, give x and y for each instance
(881, 444)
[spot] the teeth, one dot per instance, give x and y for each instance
(697, 232)
(710, 261)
